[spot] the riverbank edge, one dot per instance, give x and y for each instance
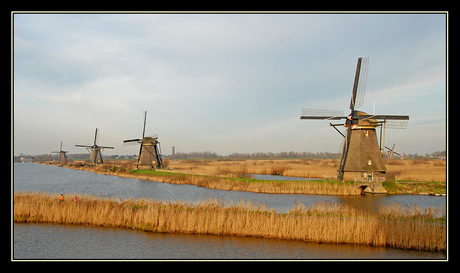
(215, 218)
(317, 187)
(272, 187)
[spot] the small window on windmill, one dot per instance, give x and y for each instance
(367, 133)
(369, 162)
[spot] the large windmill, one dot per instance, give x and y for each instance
(361, 154)
(149, 153)
(95, 156)
(62, 156)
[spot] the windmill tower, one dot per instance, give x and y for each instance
(391, 152)
(62, 156)
(149, 153)
(95, 156)
(361, 154)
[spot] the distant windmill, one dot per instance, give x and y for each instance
(150, 151)
(96, 150)
(62, 156)
(392, 151)
(361, 154)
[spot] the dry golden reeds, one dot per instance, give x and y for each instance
(322, 223)
(208, 173)
(329, 187)
(414, 170)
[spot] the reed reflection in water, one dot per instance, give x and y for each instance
(50, 241)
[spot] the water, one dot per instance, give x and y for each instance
(52, 179)
(50, 241)
(33, 241)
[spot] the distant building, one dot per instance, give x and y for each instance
(26, 159)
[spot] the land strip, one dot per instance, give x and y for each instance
(236, 175)
(323, 186)
(324, 222)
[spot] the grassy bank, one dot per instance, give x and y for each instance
(326, 187)
(393, 225)
(415, 187)
(426, 170)
(236, 175)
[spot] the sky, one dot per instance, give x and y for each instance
(223, 83)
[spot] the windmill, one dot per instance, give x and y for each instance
(95, 156)
(391, 151)
(150, 151)
(361, 154)
(62, 156)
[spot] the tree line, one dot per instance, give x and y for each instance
(211, 155)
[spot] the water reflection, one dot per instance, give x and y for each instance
(44, 241)
(48, 241)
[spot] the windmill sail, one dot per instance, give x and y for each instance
(95, 156)
(321, 114)
(361, 156)
(149, 155)
(359, 86)
(62, 155)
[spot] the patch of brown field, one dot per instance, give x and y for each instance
(272, 187)
(427, 170)
(323, 223)
(219, 180)
(414, 170)
(325, 168)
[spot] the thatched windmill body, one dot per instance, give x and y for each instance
(95, 150)
(361, 154)
(149, 152)
(62, 156)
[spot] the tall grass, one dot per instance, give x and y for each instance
(411, 169)
(278, 169)
(210, 173)
(414, 170)
(323, 223)
(238, 180)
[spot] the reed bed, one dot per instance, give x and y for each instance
(216, 174)
(427, 170)
(322, 223)
(259, 186)
(239, 180)
(410, 169)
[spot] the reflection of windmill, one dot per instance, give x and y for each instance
(392, 151)
(95, 156)
(361, 154)
(149, 153)
(62, 156)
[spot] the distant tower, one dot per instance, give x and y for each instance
(173, 150)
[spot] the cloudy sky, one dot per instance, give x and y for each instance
(222, 82)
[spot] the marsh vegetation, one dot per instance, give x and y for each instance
(393, 225)
(237, 174)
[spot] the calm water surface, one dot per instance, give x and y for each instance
(52, 179)
(44, 241)
(50, 241)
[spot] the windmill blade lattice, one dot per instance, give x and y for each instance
(361, 153)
